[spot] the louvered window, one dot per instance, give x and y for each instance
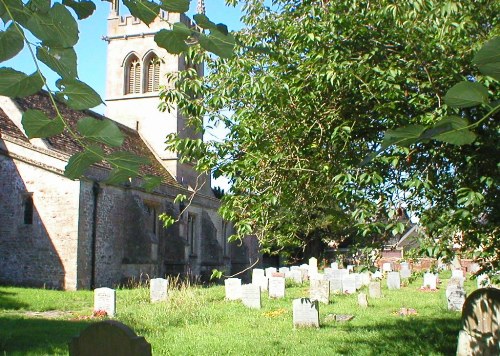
(153, 75)
(134, 77)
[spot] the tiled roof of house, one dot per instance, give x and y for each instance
(68, 144)
(9, 128)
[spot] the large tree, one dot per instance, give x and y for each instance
(307, 98)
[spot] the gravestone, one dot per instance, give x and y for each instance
(320, 290)
(313, 266)
(404, 265)
(233, 288)
(377, 275)
(335, 265)
(362, 300)
(336, 285)
(270, 271)
(349, 284)
(296, 275)
(292, 268)
(305, 313)
(405, 273)
(276, 287)
(365, 278)
(317, 277)
(250, 296)
(327, 271)
(105, 300)
(457, 273)
(358, 280)
(393, 280)
(257, 274)
(387, 267)
(278, 274)
(158, 289)
(480, 334)
(455, 295)
(457, 281)
(305, 273)
(109, 338)
(375, 289)
(350, 268)
(284, 270)
(430, 281)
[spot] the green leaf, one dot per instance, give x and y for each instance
(11, 42)
(105, 131)
(83, 9)
(146, 11)
(488, 58)
(79, 162)
(218, 43)
(150, 182)
(180, 198)
(120, 175)
(127, 160)
(37, 124)
(466, 94)
(403, 136)
(60, 60)
(453, 130)
(173, 42)
(57, 28)
(17, 10)
(178, 6)
(39, 6)
(78, 95)
(17, 84)
(204, 22)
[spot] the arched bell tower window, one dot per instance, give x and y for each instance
(152, 76)
(133, 76)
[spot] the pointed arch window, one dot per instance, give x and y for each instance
(153, 74)
(133, 80)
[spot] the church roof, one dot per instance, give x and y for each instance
(65, 143)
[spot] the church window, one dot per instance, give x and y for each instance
(133, 82)
(191, 233)
(28, 209)
(153, 74)
(224, 238)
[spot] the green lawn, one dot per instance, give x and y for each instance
(197, 321)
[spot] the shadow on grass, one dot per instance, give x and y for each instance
(8, 301)
(37, 336)
(408, 336)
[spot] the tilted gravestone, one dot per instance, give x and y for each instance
(233, 288)
(105, 300)
(276, 287)
(305, 313)
(109, 338)
(158, 289)
(250, 296)
(320, 290)
(393, 280)
(375, 290)
(455, 296)
(480, 334)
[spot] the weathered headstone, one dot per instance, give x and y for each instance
(233, 288)
(250, 296)
(349, 284)
(480, 334)
(377, 275)
(405, 273)
(362, 300)
(276, 287)
(387, 267)
(365, 278)
(358, 280)
(320, 290)
(284, 270)
(270, 271)
(305, 313)
(158, 289)
(375, 290)
(335, 265)
(404, 265)
(336, 285)
(296, 275)
(430, 281)
(110, 338)
(457, 273)
(393, 280)
(257, 273)
(456, 297)
(457, 281)
(105, 300)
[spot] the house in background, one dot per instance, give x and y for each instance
(73, 234)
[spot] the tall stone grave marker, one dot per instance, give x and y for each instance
(320, 290)
(358, 280)
(109, 337)
(158, 289)
(455, 295)
(313, 266)
(387, 267)
(480, 334)
(250, 296)
(233, 288)
(276, 287)
(393, 280)
(430, 281)
(105, 300)
(305, 313)
(349, 284)
(375, 290)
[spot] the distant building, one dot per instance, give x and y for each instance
(60, 233)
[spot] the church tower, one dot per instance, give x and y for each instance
(136, 68)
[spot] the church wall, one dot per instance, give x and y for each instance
(40, 251)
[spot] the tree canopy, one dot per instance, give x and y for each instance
(307, 98)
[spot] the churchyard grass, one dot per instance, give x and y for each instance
(197, 321)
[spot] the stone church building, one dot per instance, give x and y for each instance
(75, 234)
